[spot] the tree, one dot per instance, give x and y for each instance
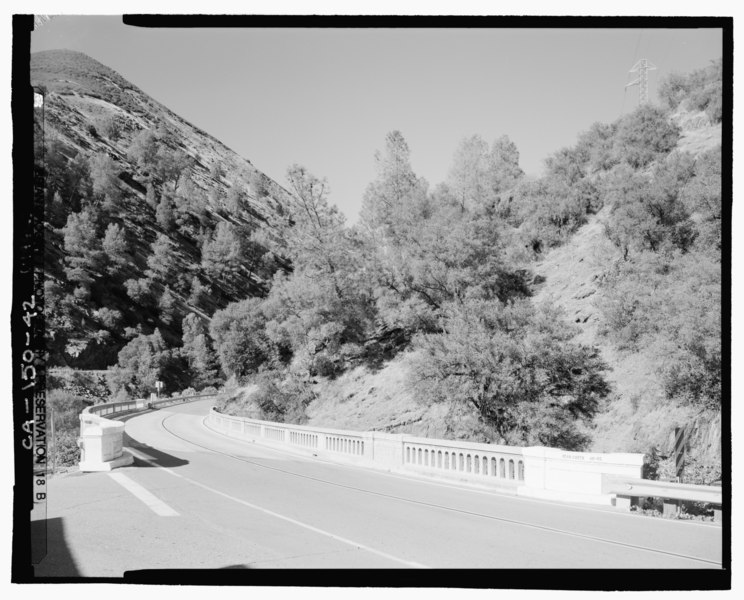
(139, 290)
(649, 213)
(548, 210)
(312, 229)
(327, 300)
(448, 257)
(479, 174)
(77, 181)
(143, 150)
(54, 164)
(82, 247)
(162, 262)
(670, 305)
(143, 361)
(239, 336)
(170, 166)
(109, 318)
(597, 143)
(167, 306)
(517, 365)
(689, 321)
(568, 164)
(469, 175)
(221, 254)
(700, 90)
(396, 185)
(164, 213)
(198, 293)
(197, 347)
(67, 176)
(116, 248)
(505, 171)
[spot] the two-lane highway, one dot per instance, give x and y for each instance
(197, 499)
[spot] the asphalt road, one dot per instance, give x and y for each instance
(199, 500)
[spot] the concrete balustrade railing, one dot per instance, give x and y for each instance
(536, 472)
(101, 439)
(474, 462)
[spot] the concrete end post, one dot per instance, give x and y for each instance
(102, 442)
(534, 467)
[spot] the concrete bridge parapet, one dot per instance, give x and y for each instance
(537, 472)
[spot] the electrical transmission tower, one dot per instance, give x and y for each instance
(643, 66)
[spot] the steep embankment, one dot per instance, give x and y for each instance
(174, 196)
(572, 273)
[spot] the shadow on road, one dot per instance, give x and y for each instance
(53, 557)
(157, 458)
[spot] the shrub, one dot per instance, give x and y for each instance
(322, 364)
(65, 450)
(644, 135)
(702, 89)
(282, 401)
(65, 408)
(109, 127)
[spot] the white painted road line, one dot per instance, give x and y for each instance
(408, 563)
(152, 502)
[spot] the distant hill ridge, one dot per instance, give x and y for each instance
(93, 113)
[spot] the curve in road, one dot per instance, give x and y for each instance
(241, 504)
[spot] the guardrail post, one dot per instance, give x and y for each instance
(671, 508)
(625, 502)
(717, 514)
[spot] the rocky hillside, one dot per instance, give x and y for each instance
(637, 416)
(571, 275)
(148, 217)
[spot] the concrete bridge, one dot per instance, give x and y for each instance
(197, 489)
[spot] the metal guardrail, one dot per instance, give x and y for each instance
(177, 400)
(117, 408)
(649, 488)
(110, 408)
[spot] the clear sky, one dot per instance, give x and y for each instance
(326, 98)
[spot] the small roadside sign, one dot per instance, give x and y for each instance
(680, 450)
